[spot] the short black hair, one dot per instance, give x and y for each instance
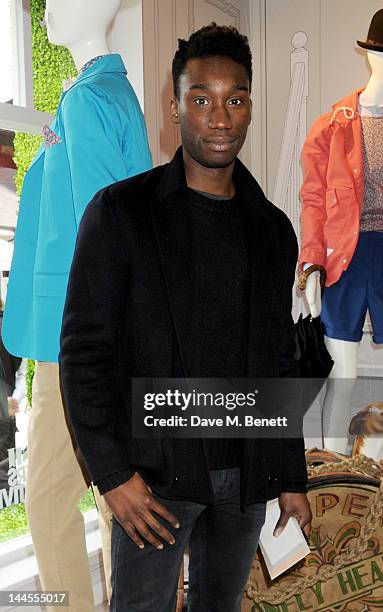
(209, 41)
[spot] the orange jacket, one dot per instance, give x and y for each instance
(332, 190)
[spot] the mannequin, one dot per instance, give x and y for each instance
(98, 137)
(337, 411)
(66, 27)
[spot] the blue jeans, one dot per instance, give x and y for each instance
(222, 544)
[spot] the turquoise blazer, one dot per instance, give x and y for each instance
(102, 139)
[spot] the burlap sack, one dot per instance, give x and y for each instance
(344, 570)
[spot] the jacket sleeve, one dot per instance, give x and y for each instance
(294, 472)
(94, 143)
(288, 365)
(89, 347)
(315, 155)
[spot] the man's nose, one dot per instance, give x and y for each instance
(220, 117)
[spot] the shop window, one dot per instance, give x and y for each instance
(7, 54)
(14, 413)
(20, 129)
(15, 53)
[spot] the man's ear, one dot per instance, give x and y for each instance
(174, 112)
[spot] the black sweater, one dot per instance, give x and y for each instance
(220, 309)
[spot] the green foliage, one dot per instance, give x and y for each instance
(51, 65)
(26, 146)
(87, 502)
(13, 520)
(29, 379)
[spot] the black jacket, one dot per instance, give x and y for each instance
(127, 314)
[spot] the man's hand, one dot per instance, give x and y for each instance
(294, 504)
(133, 504)
(13, 406)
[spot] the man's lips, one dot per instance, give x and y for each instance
(220, 144)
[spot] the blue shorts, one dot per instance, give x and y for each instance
(345, 303)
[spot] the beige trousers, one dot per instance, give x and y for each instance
(54, 486)
(105, 516)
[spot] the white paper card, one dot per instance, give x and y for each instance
(283, 551)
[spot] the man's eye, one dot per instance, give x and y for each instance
(235, 102)
(201, 101)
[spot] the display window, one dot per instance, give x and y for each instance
(12, 411)
(16, 111)
(15, 57)
(14, 402)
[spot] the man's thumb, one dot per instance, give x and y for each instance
(281, 524)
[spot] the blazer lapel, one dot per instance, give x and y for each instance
(260, 250)
(171, 216)
(172, 225)
(260, 242)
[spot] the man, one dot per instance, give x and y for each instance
(186, 270)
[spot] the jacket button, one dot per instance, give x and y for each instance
(344, 260)
(273, 478)
(355, 170)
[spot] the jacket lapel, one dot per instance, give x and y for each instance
(260, 238)
(260, 242)
(173, 229)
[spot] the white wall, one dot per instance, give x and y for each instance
(336, 64)
(164, 22)
(126, 38)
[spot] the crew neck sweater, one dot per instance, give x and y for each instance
(220, 308)
(371, 219)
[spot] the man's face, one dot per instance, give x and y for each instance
(213, 110)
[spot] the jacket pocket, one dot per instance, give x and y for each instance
(335, 196)
(54, 285)
(339, 201)
(331, 198)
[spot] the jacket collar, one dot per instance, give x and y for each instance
(108, 63)
(175, 179)
(347, 109)
(351, 100)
